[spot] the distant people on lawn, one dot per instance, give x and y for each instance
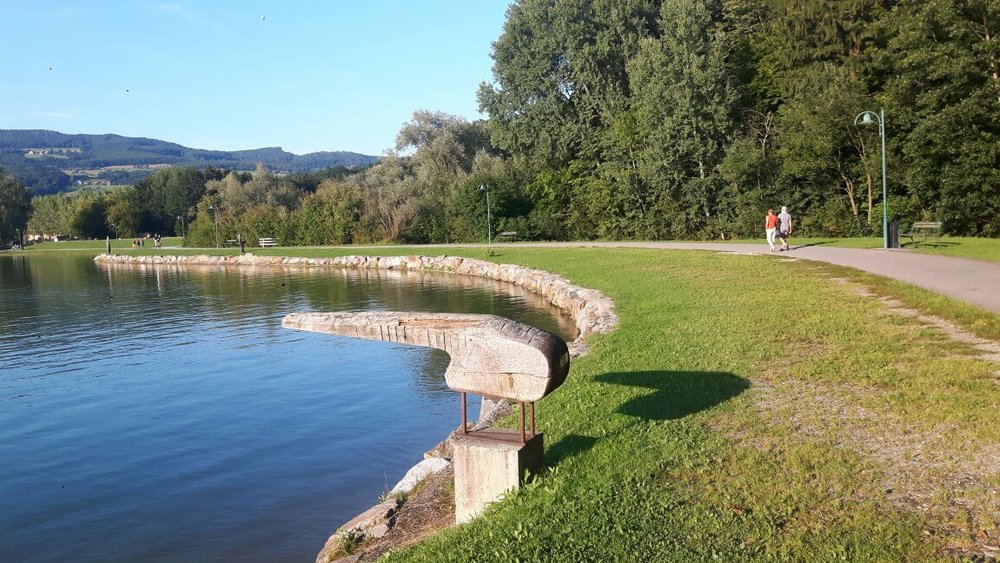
(784, 227)
(770, 228)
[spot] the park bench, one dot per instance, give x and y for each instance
(231, 243)
(267, 241)
(923, 230)
(509, 236)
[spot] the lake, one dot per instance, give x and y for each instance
(162, 413)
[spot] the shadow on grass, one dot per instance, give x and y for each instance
(924, 244)
(568, 447)
(676, 393)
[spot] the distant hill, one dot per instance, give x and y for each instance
(50, 162)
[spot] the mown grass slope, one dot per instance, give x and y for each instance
(667, 442)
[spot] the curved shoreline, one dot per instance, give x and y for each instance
(591, 311)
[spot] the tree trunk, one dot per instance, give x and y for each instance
(871, 197)
(992, 60)
(849, 190)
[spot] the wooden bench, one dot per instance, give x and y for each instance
(231, 243)
(264, 242)
(509, 236)
(924, 230)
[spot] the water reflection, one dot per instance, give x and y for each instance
(351, 289)
(161, 412)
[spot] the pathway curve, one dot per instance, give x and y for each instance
(975, 282)
(972, 281)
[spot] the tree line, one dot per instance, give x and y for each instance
(653, 119)
(689, 118)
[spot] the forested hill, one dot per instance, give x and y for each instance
(49, 162)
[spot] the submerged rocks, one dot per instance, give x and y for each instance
(418, 473)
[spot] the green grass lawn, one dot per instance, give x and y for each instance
(731, 418)
(93, 246)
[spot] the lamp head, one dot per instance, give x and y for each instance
(866, 119)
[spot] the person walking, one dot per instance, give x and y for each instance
(784, 227)
(770, 228)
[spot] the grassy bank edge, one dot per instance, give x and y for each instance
(980, 322)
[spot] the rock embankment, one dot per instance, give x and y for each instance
(590, 309)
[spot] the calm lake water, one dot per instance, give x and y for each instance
(161, 413)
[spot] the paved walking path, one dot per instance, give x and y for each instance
(972, 281)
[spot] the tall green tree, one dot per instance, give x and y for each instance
(826, 163)
(123, 213)
(685, 102)
(51, 215)
(90, 219)
(235, 196)
(945, 101)
(15, 207)
(560, 75)
(800, 34)
(167, 194)
(439, 151)
(332, 215)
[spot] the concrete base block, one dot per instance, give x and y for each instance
(490, 462)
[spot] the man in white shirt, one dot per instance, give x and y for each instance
(784, 227)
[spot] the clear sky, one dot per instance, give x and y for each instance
(242, 74)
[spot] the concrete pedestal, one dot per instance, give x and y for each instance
(490, 462)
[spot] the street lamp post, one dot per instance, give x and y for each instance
(181, 219)
(215, 212)
(868, 118)
(489, 223)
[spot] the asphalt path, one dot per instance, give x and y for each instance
(975, 282)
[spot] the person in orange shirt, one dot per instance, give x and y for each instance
(770, 227)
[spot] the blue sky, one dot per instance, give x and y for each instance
(227, 75)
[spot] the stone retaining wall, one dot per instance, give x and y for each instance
(590, 309)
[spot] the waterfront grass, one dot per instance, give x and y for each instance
(95, 246)
(698, 430)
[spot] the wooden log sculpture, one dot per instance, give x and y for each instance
(490, 355)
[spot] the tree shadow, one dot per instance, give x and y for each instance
(567, 447)
(676, 394)
(817, 243)
(924, 244)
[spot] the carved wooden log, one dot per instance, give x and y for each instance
(490, 355)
